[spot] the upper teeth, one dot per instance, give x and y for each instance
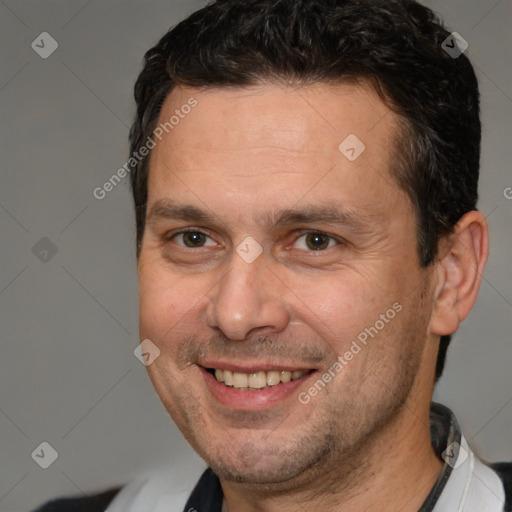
(257, 380)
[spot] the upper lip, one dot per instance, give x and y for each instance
(254, 367)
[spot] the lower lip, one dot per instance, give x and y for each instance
(252, 400)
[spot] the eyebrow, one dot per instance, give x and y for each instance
(167, 209)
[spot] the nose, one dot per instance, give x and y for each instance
(249, 297)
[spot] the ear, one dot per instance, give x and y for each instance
(462, 258)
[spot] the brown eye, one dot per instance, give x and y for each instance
(315, 241)
(192, 239)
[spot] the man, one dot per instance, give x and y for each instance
(305, 181)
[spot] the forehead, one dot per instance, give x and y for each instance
(303, 118)
(277, 142)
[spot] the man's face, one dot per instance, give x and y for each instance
(339, 255)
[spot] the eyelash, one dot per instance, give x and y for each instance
(168, 238)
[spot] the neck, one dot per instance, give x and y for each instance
(397, 467)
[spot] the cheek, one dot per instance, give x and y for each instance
(166, 301)
(342, 305)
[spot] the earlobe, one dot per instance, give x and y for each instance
(460, 267)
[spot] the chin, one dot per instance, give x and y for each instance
(263, 476)
(267, 466)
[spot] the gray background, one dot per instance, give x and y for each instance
(68, 375)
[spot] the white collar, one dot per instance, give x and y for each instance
(472, 486)
(164, 489)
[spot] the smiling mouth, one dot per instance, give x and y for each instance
(256, 381)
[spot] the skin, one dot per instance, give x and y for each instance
(240, 155)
